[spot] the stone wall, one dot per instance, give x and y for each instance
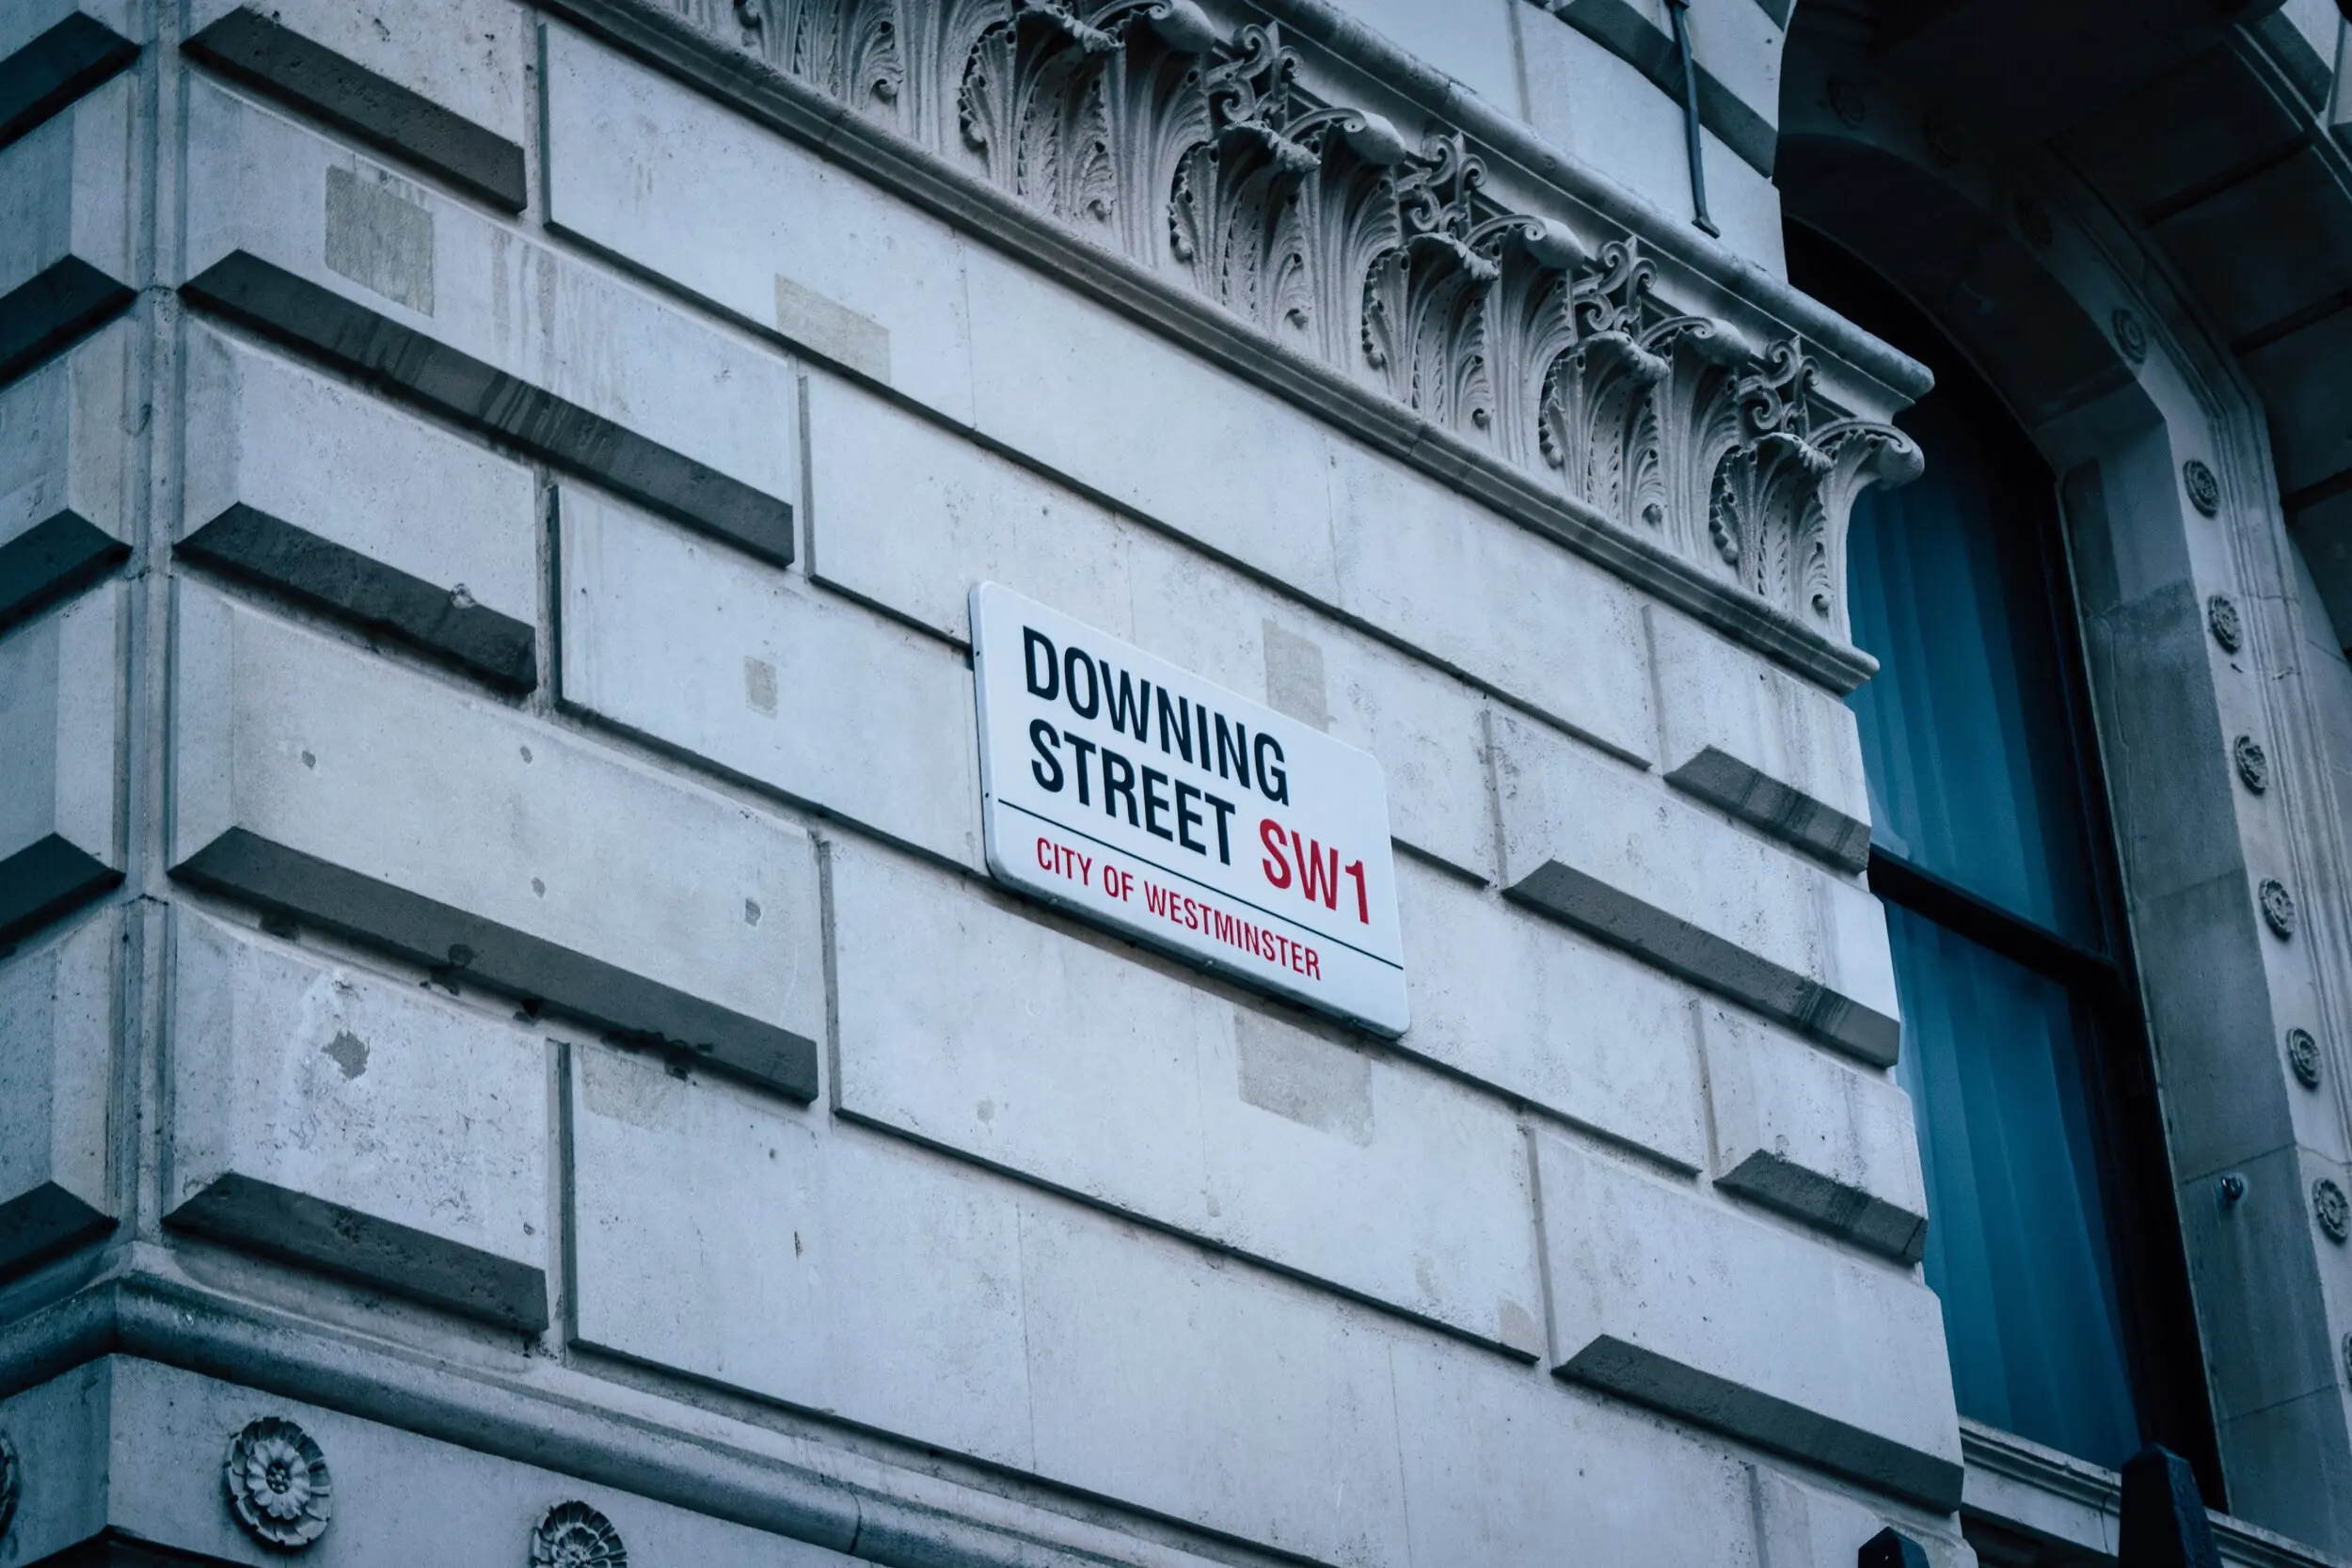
(504, 973)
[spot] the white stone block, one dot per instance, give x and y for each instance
(60, 744)
(910, 516)
(54, 51)
(748, 668)
(1802, 1526)
(345, 502)
(1504, 1467)
(1425, 727)
(1211, 1393)
(58, 1025)
(1505, 607)
(720, 1235)
(346, 1121)
(649, 172)
(1664, 1298)
(293, 234)
(1801, 1132)
(68, 482)
(1590, 841)
(1470, 40)
(1142, 421)
(967, 1025)
(1753, 739)
(1548, 1016)
(442, 86)
(313, 779)
(67, 209)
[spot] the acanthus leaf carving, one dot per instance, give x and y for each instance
(1193, 148)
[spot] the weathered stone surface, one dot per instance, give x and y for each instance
(1242, 1402)
(641, 168)
(134, 1447)
(1770, 748)
(1551, 1017)
(1798, 1131)
(749, 668)
(316, 781)
(1019, 1047)
(441, 86)
(1481, 594)
(68, 485)
(1499, 1468)
(66, 216)
(54, 51)
(707, 1221)
(1595, 845)
(292, 234)
(346, 1121)
(61, 718)
(57, 1020)
(909, 517)
(1130, 416)
(347, 504)
(1654, 1297)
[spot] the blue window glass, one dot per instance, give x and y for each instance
(2052, 1236)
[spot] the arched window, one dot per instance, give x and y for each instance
(2051, 1235)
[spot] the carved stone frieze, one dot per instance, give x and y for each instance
(1192, 149)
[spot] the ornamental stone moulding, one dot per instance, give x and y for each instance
(2278, 907)
(574, 1535)
(2253, 763)
(1193, 149)
(2303, 1057)
(2222, 618)
(279, 1485)
(2330, 1209)
(2205, 490)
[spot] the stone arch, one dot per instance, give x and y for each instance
(2064, 309)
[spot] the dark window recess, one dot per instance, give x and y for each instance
(2052, 1235)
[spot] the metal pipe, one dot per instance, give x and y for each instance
(1699, 219)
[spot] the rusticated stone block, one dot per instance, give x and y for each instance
(298, 238)
(1753, 739)
(1798, 1131)
(60, 723)
(56, 1056)
(65, 227)
(1551, 1017)
(315, 781)
(1660, 1296)
(1592, 843)
(441, 86)
(648, 171)
(54, 51)
(339, 501)
(351, 1123)
(67, 480)
(767, 679)
(1087, 1071)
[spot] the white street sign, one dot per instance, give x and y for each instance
(1184, 815)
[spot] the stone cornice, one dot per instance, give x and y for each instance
(1175, 171)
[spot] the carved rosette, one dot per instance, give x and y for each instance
(278, 1486)
(2331, 1209)
(573, 1535)
(2303, 1057)
(1152, 131)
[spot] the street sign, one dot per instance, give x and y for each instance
(1116, 785)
